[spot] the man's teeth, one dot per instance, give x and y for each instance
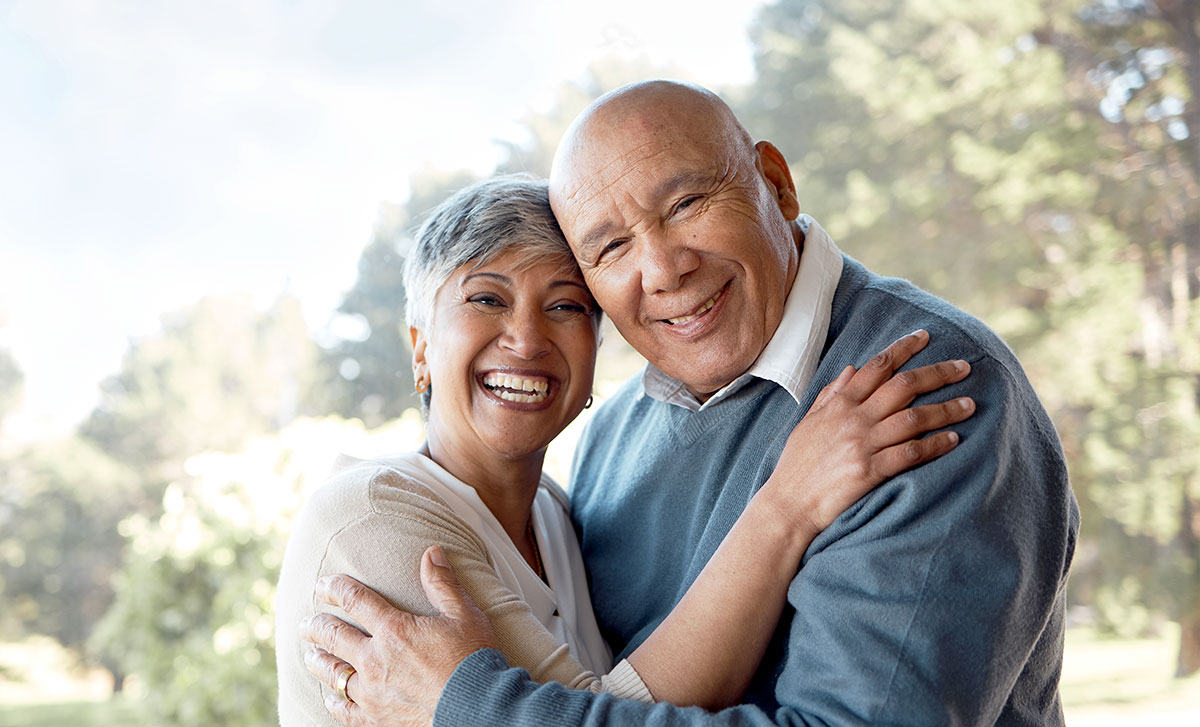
(704, 308)
(520, 389)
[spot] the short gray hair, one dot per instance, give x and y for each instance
(475, 225)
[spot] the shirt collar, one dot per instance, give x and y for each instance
(790, 358)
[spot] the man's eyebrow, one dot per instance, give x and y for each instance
(681, 180)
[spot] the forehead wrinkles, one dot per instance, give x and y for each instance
(629, 164)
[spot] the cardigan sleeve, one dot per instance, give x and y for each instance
(375, 526)
(921, 605)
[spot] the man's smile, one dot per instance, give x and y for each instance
(704, 308)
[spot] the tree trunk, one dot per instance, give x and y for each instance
(1188, 662)
(118, 674)
(1189, 642)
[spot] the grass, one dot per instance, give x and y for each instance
(116, 712)
(1108, 681)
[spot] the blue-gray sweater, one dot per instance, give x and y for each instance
(936, 600)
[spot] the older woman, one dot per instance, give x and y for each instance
(504, 336)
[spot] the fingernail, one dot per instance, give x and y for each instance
(965, 403)
(438, 556)
(953, 437)
(961, 366)
(919, 333)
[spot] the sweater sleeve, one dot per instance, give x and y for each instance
(921, 605)
(375, 528)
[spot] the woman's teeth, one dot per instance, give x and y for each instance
(704, 308)
(520, 389)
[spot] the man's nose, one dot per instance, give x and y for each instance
(525, 336)
(666, 263)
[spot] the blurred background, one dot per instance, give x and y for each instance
(203, 208)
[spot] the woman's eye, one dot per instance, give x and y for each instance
(567, 306)
(486, 299)
(686, 202)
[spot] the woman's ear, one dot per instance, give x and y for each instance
(419, 344)
(778, 176)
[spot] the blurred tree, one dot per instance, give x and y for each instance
(192, 617)
(60, 503)
(194, 611)
(366, 366)
(11, 380)
(219, 372)
(1137, 63)
(965, 146)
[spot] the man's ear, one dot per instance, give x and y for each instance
(778, 176)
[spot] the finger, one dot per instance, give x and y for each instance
(909, 423)
(895, 459)
(343, 712)
(334, 635)
(832, 388)
(899, 391)
(327, 668)
(361, 603)
(882, 365)
(441, 586)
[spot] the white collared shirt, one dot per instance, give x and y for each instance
(790, 358)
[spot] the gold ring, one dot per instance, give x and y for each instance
(342, 680)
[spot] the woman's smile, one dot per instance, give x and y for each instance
(519, 389)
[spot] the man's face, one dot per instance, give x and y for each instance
(683, 241)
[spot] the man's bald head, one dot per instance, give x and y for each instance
(633, 115)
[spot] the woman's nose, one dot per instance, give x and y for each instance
(526, 336)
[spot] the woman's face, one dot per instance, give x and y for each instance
(509, 356)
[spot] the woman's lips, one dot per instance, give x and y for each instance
(519, 388)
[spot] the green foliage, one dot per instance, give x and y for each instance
(194, 611)
(60, 503)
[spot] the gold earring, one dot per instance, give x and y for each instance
(422, 385)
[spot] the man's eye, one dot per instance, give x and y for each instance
(686, 202)
(610, 247)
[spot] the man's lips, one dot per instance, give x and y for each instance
(704, 308)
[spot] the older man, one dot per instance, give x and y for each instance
(938, 599)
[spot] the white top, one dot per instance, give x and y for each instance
(790, 358)
(564, 606)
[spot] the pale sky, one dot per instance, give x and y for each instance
(154, 152)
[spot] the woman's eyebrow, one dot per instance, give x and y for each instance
(575, 283)
(484, 274)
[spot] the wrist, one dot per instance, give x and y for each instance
(787, 521)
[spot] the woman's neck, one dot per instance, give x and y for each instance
(506, 485)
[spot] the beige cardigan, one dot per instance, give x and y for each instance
(374, 522)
